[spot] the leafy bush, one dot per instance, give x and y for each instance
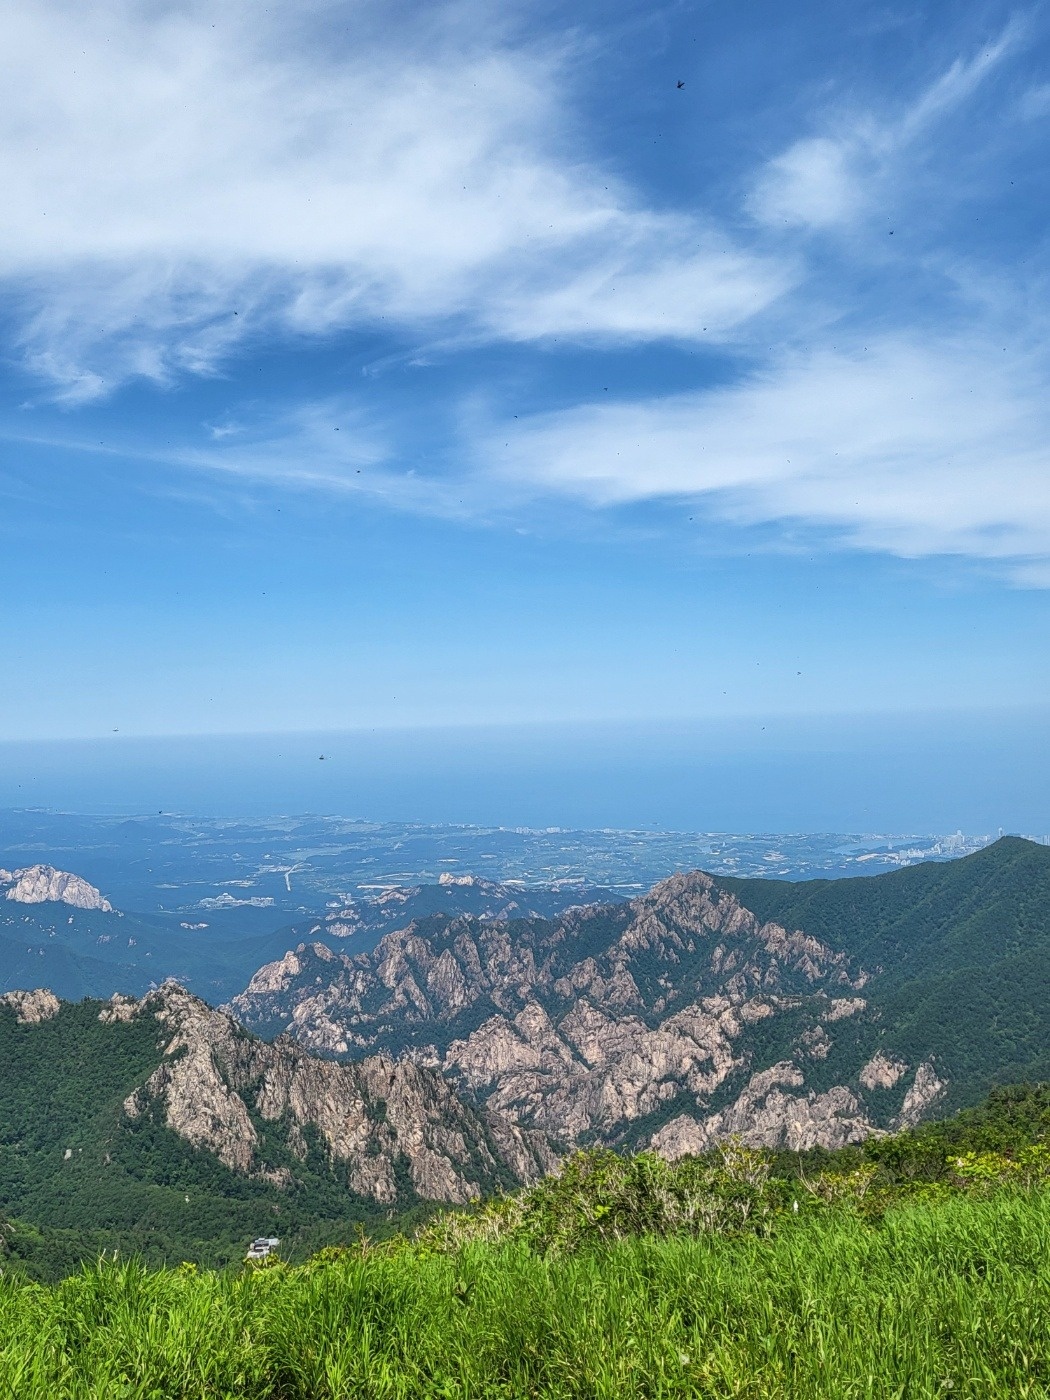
(1028, 1167)
(599, 1196)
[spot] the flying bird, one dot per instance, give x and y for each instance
(680, 84)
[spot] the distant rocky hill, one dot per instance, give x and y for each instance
(43, 884)
(829, 1011)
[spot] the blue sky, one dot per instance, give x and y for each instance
(368, 366)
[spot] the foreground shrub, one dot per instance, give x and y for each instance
(599, 1196)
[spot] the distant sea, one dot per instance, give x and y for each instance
(932, 772)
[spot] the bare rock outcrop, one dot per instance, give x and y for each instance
(43, 884)
(218, 1087)
(926, 1089)
(766, 1115)
(841, 1007)
(882, 1071)
(584, 1025)
(119, 1008)
(30, 1008)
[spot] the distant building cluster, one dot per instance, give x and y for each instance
(263, 1247)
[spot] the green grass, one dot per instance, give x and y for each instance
(950, 1298)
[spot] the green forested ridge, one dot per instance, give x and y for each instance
(126, 1183)
(924, 920)
(959, 954)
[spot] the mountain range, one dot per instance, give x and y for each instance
(440, 1041)
(58, 930)
(794, 1013)
(161, 1126)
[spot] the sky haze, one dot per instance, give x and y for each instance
(403, 367)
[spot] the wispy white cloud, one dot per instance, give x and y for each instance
(332, 447)
(327, 448)
(178, 181)
(814, 183)
(177, 178)
(911, 448)
(915, 423)
(838, 176)
(646, 278)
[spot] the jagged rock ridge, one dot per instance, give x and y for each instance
(216, 1085)
(610, 1022)
(31, 1008)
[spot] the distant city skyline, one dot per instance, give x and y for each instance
(411, 368)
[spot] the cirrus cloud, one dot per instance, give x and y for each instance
(905, 447)
(178, 178)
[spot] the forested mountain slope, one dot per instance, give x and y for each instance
(165, 1120)
(924, 920)
(959, 954)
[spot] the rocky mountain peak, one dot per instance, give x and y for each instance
(43, 884)
(601, 1022)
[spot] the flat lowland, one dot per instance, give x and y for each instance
(945, 1296)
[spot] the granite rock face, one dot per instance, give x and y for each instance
(882, 1072)
(767, 1114)
(677, 1017)
(43, 884)
(925, 1091)
(31, 1008)
(218, 1087)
